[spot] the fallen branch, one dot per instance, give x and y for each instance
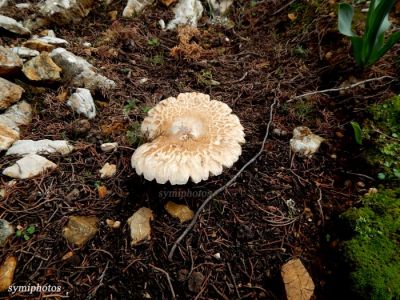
(168, 279)
(340, 88)
(221, 189)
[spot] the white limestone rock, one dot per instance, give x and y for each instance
(187, 12)
(108, 170)
(65, 11)
(24, 147)
(16, 115)
(82, 102)
(13, 26)
(29, 166)
(79, 72)
(108, 147)
(24, 52)
(135, 6)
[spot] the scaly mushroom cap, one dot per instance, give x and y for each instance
(191, 137)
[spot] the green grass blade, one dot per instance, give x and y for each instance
(375, 22)
(393, 39)
(357, 132)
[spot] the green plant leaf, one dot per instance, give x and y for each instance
(345, 15)
(31, 229)
(377, 15)
(393, 39)
(26, 237)
(18, 233)
(357, 132)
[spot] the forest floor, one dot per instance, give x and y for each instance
(265, 57)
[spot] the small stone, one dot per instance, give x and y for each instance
(108, 170)
(79, 72)
(139, 224)
(82, 102)
(13, 26)
(93, 81)
(10, 93)
(38, 45)
(68, 255)
(7, 270)
(65, 11)
(24, 52)
(24, 147)
(328, 55)
(72, 195)
(81, 127)
(360, 184)
(108, 147)
(187, 12)
(18, 114)
(333, 156)
(143, 80)
(29, 166)
(23, 5)
(80, 229)
(6, 230)
(304, 141)
(279, 132)
(34, 23)
(87, 45)
(372, 191)
(9, 61)
(135, 6)
(167, 3)
(217, 255)
(196, 280)
(52, 40)
(180, 211)
(113, 224)
(42, 68)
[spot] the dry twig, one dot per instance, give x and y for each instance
(340, 88)
(168, 279)
(224, 187)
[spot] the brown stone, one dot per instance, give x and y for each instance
(80, 229)
(9, 61)
(38, 45)
(9, 93)
(42, 68)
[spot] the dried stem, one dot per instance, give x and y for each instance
(221, 189)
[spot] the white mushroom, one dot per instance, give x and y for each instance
(191, 137)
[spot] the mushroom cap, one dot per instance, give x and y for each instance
(190, 136)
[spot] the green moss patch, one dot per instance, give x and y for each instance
(373, 254)
(383, 133)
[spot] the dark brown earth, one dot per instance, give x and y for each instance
(265, 57)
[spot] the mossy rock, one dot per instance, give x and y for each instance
(382, 132)
(372, 254)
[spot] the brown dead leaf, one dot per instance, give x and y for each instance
(167, 2)
(102, 190)
(188, 48)
(113, 15)
(139, 224)
(7, 272)
(62, 97)
(292, 17)
(180, 211)
(114, 127)
(298, 283)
